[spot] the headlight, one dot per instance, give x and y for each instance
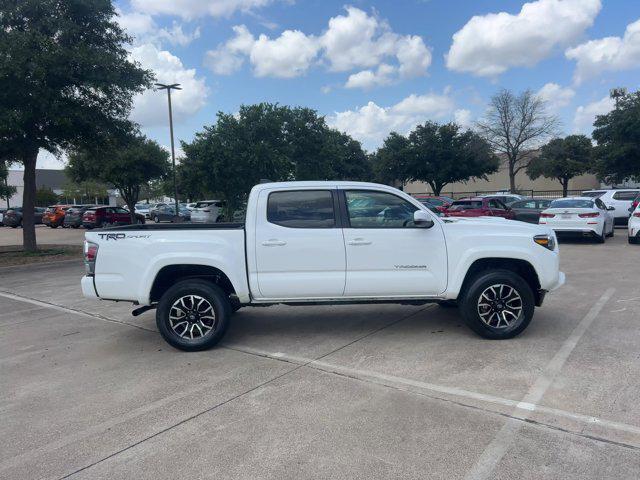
(547, 241)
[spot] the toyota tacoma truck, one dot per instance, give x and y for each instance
(311, 243)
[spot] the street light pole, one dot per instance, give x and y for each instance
(168, 88)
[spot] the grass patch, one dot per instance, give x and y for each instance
(49, 253)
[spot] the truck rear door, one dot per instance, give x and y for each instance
(299, 245)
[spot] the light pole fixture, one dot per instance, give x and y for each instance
(168, 88)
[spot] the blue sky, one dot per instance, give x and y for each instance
(375, 66)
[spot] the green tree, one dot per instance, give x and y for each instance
(562, 159)
(127, 165)
(515, 126)
(267, 141)
(6, 190)
(391, 161)
(617, 154)
(66, 80)
(45, 197)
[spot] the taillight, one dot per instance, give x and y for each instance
(589, 215)
(547, 215)
(636, 214)
(90, 255)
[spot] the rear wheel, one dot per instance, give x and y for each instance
(498, 304)
(156, 219)
(602, 237)
(634, 240)
(193, 315)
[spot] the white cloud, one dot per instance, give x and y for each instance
(355, 41)
(609, 53)
(144, 29)
(289, 55)
(150, 107)
(190, 9)
(367, 79)
(372, 123)
(585, 115)
(488, 45)
(462, 117)
(556, 96)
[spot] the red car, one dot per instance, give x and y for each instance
(440, 202)
(479, 207)
(99, 217)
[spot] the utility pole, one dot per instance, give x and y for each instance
(168, 88)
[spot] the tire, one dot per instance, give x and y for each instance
(14, 226)
(601, 238)
(75, 226)
(178, 296)
(480, 290)
(634, 240)
(448, 303)
(156, 219)
(53, 226)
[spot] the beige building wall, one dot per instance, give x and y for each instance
(499, 181)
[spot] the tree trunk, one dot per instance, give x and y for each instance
(29, 200)
(565, 186)
(512, 177)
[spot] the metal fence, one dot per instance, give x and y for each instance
(526, 193)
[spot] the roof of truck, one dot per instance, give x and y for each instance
(317, 183)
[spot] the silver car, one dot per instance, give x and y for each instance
(207, 211)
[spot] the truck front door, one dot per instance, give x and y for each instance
(387, 255)
(299, 248)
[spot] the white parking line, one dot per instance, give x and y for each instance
(505, 437)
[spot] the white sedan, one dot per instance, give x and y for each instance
(580, 215)
(634, 226)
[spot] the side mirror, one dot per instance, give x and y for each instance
(422, 219)
(611, 209)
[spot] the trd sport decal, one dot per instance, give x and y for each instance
(119, 236)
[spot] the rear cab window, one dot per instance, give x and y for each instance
(301, 209)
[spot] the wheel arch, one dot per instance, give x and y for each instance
(171, 274)
(521, 267)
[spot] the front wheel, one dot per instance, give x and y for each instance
(193, 315)
(498, 304)
(156, 219)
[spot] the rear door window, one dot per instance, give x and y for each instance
(301, 209)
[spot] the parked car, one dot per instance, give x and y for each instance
(54, 215)
(73, 216)
(168, 212)
(634, 204)
(207, 211)
(634, 226)
(191, 206)
(99, 217)
(529, 210)
(440, 202)
(580, 215)
(506, 198)
(479, 207)
(620, 199)
(2, 211)
(13, 216)
(324, 242)
(143, 209)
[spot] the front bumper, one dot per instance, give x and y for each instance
(88, 288)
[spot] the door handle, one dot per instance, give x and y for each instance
(359, 241)
(274, 243)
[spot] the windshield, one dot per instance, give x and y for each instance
(592, 194)
(466, 205)
(571, 203)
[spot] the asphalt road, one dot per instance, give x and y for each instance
(88, 391)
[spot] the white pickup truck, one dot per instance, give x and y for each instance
(324, 242)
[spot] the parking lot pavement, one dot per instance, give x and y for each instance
(88, 391)
(44, 235)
